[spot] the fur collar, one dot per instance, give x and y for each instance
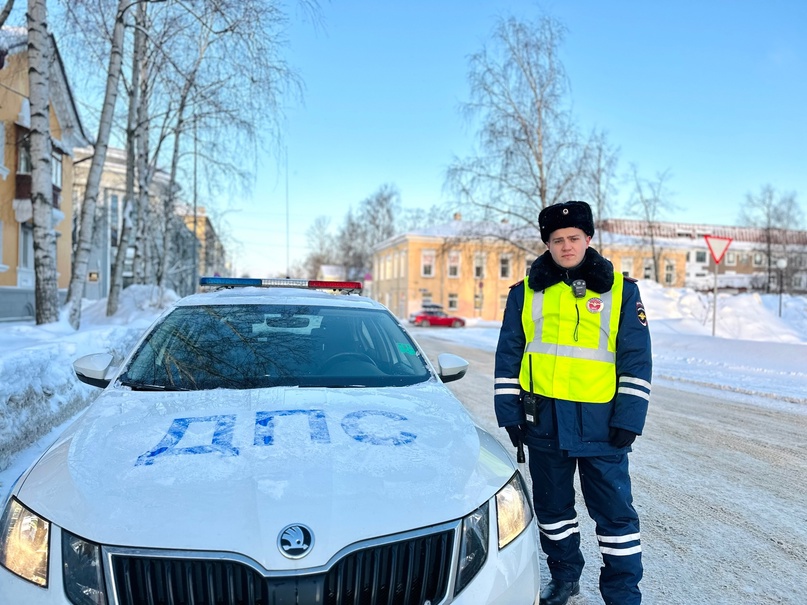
(597, 271)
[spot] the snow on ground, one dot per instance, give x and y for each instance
(38, 389)
(753, 352)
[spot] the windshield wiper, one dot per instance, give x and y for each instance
(137, 386)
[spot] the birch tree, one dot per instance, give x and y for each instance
(213, 65)
(133, 134)
(774, 213)
(530, 154)
(6, 11)
(599, 174)
(81, 255)
(46, 289)
(237, 89)
(322, 246)
(373, 223)
(650, 199)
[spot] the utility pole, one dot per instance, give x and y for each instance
(195, 234)
(286, 154)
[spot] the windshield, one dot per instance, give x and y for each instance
(257, 346)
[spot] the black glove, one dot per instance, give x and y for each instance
(516, 432)
(621, 437)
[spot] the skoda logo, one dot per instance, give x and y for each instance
(295, 541)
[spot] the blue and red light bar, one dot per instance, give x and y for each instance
(311, 284)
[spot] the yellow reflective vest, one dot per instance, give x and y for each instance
(571, 343)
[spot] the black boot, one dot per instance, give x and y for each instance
(558, 592)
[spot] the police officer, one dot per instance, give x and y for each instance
(572, 381)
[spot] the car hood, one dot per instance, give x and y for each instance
(228, 470)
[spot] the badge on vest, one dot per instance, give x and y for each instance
(595, 305)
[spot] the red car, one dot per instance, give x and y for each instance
(435, 317)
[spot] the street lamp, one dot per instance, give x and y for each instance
(781, 264)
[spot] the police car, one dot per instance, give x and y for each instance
(267, 442)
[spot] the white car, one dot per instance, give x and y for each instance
(267, 445)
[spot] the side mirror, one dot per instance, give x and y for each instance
(95, 369)
(451, 367)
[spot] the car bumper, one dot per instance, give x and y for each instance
(510, 576)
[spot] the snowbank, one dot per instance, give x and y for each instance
(38, 389)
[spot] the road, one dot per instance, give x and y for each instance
(720, 487)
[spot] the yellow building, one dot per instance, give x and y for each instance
(211, 255)
(16, 211)
(455, 265)
(468, 267)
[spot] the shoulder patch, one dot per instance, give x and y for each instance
(641, 314)
(518, 283)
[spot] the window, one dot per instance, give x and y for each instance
(26, 247)
(647, 268)
(502, 302)
(427, 263)
(505, 268)
(731, 258)
(2, 266)
(669, 272)
(24, 155)
(453, 302)
(700, 256)
(759, 259)
(56, 169)
(3, 170)
(453, 264)
(478, 300)
(479, 265)
(114, 220)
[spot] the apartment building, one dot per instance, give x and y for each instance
(109, 218)
(17, 299)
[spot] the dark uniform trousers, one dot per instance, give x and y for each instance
(605, 483)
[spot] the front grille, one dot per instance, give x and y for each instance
(408, 572)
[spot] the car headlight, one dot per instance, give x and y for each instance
(82, 571)
(513, 510)
(24, 541)
(473, 546)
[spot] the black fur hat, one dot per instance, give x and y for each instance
(567, 214)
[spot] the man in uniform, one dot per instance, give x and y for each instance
(572, 381)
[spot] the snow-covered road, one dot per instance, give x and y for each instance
(720, 483)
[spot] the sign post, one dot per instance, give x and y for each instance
(718, 247)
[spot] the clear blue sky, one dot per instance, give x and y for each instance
(712, 90)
